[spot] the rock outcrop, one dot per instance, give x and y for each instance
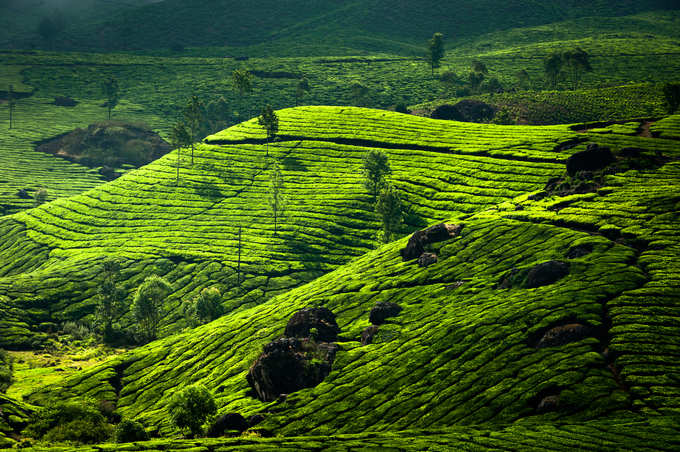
(289, 364)
(322, 319)
(437, 233)
(594, 158)
(382, 311)
(546, 273)
(227, 422)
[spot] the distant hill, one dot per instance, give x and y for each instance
(227, 23)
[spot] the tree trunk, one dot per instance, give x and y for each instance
(178, 155)
(238, 267)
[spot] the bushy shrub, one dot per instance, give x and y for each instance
(191, 407)
(128, 431)
(40, 196)
(205, 307)
(76, 421)
(6, 369)
(77, 331)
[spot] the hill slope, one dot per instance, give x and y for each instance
(467, 347)
(227, 23)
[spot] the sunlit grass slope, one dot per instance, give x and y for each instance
(464, 349)
(189, 231)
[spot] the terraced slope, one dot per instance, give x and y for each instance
(475, 343)
(633, 434)
(188, 232)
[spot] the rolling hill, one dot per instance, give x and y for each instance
(475, 342)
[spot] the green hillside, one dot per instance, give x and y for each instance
(465, 350)
(226, 23)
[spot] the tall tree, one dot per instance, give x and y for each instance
(552, 67)
(523, 79)
(671, 93)
(276, 199)
(148, 304)
(300, 90)
(49, 27)
(238, 265)
(11, 104)
(577, 61)
(111, 92)
(435, 51)
(242, 81)
(110, 298)
(270, 121)
(193, 116)
(388, 206)
(358, 91)
(376, 168)
(179, 137)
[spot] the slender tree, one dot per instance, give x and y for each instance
(552, 67)
(300, 90)
(270, 121)
(110, 298)
(148, 304)
(523, 79)
(388, 206)
(276, 199)
(577, 61)
(435, 51)
(179, 137)
(111, 92)
(49, 27)
(671, 93)
(242, 81)
(11, 104)
(358, 91)
(238, 265)
(193, 117)
(376, 168)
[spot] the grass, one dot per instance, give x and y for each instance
(460, 352)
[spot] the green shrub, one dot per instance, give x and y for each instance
(77, 421)
(40, 196)
(205, 307)
(6, 369)
(191, 407)
(128, 431)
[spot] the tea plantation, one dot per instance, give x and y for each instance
(468, 361)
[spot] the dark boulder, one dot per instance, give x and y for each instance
(594, 158)
(368, 334)
(255, 419)
(304, 320)
(577, 251)
(427, 259)
(437, 233)
(287, 365)
(383, 310)
(226, 422)
(63, 101)
(546, 273)
(564, 334)
(548, 403)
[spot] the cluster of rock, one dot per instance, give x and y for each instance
(415, 248)
(301, 359)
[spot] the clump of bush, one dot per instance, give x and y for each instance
(128, 431)
(73, 421)
(191, 407)
(205, 307)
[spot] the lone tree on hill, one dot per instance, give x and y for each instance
(523, 79)
(111, 92)
(179, 137)
(358, 92)
(205, 307)
(110, 298)
(193, 116)
(375, 169)
(477, 73)
(435, 51)
(671, 93)
(48, 28)
(388, 206)
(276, 200)
(191, 407)
(148, 304)
(270, 121)
(242, 81)
(300, 90)
(11, 104)
(6, 371)
(576, 61)
(552, 67)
